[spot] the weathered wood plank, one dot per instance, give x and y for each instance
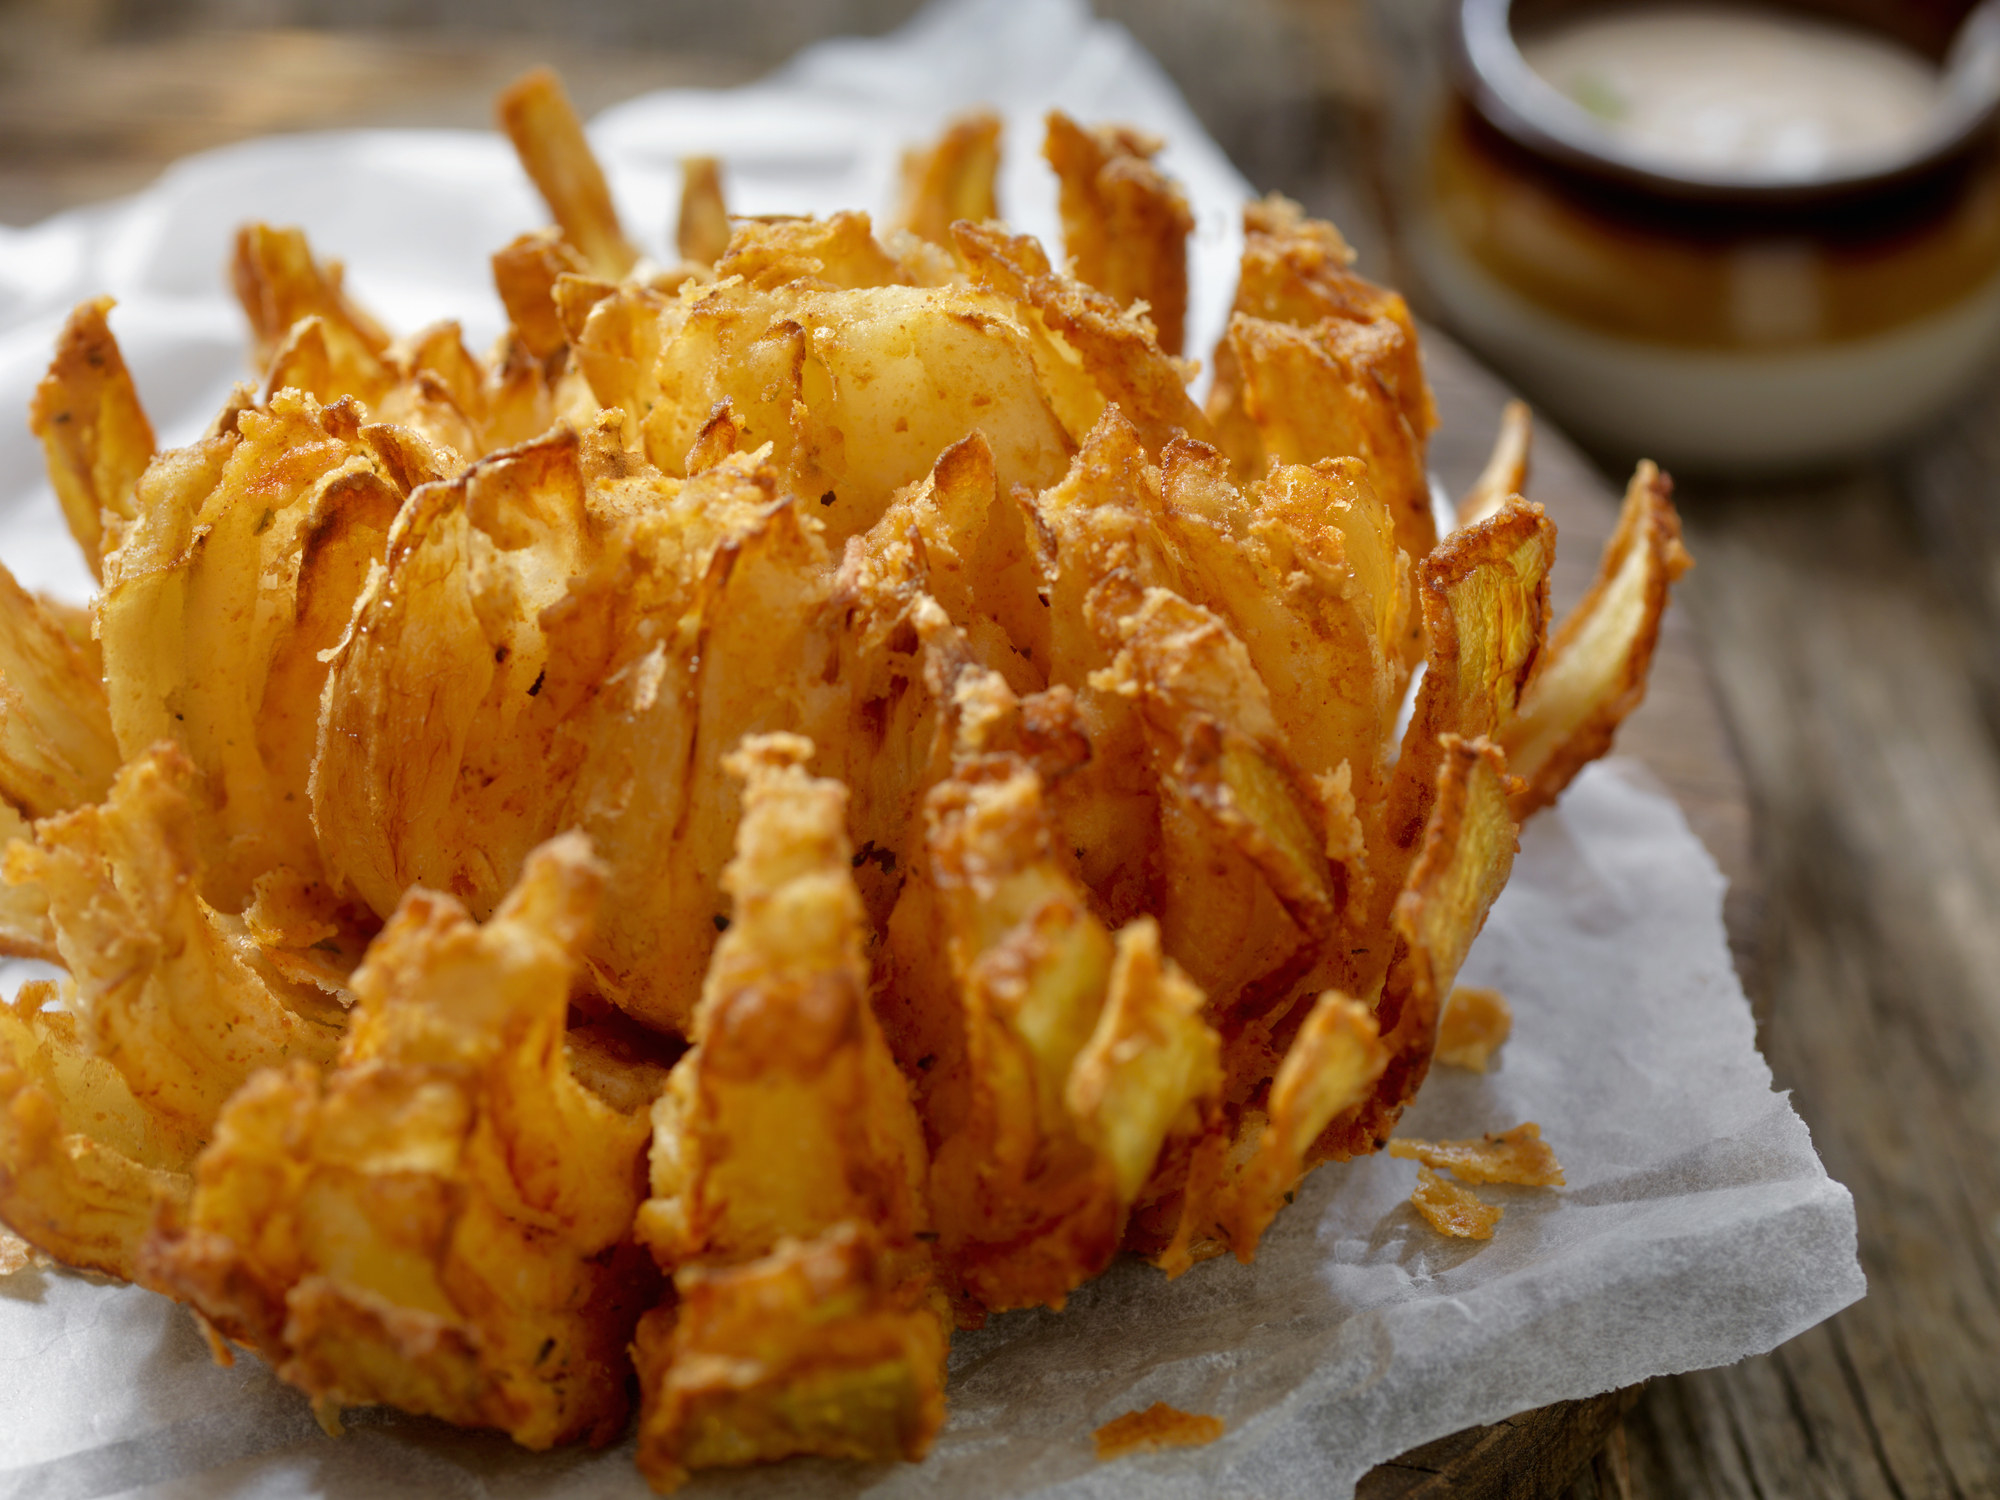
(1530, 1457)
(1848, 671)
(1679, 734)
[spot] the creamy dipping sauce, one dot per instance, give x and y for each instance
(1746, 93)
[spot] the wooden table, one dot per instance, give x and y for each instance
(1679, 733)
(1849, 628)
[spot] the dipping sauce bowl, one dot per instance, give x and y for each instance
(1734, 239)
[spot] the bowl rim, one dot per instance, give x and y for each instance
(1514, 99)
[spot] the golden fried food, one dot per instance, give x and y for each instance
(1506, 471)
(216, 646)
(1158, 1426)
(814, 1348)
(83, 1167)
(701, 233)
(1475, 1024)
(17, 1255)
(1518, 1156)
(94, 432)
(173, 993)
(1600, 657)
(57, 749)
(787, 1116)
(442, 1220)
(1125, 223)
(1454, 1210)
(802, 800)
(952, 179)
(281, 287)
(788, 1167)
(548, 137)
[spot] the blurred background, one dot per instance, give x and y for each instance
(1846, 618)
(96, 95)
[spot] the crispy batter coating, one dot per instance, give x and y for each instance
(278, 282)
(788, 1116)
(1296, 270)
(1454, 1210)
(952, 179)
(785, 1147)
(815, 1348)
(1475, 1024)
(427, 382)
(1518, 1156)
(1061, 1024)
(1600, 657)
(82, 1162)
(1506, 471)
(525, 274)
(241, 567)
(1329, 1070)
(987, 756)
(175, 994)
(1317, 363)
(1084, 332)
(548, 137)
(701, 233)
(94, 433)
(1125, 223)
(57, 750)
(1485, 594)
(1022, 1213)
(1149, 1065)
(1158, 1426)
(442, 1222)
(17, 1255)
(1461, 867)
(857, 388)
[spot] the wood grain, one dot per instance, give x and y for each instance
(1679, 734)
(1848, 667)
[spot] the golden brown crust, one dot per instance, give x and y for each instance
(1120, 353)
(701, 231)
(1125, 223)
(95, 436)
(525, 273)
(1599, 661)
(952, 178)
(813, 1349)
(1466, 855)
(1158, 1426)
(1454, 1210)
(1475, 1025)
(997, 785)
(1519, 1156)
(548, 137)
(1506, 471)
(1485, 597)
(442, 1220)
(278, 282)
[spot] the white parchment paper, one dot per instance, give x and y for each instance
(1698, 1226)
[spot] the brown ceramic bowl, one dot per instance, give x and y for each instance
(1960, 36)
(1719, 320)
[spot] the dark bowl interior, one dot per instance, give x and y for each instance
(1962, 36)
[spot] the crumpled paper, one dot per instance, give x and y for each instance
(1697, 1227)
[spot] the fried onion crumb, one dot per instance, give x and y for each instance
(16, 1254)
(1474, 1025)
(1454, 1210)
(1158, 1426)
(1519, 1156)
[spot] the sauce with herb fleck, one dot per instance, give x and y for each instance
(1754, 94)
